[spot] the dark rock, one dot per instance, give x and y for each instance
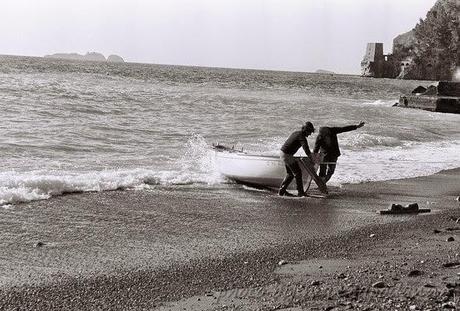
(452, 285)
(419, 89)
(449, 88)
(450, 239)
(414, 273)
(448, 305)
(39, 244)
(436, 231)
(448, 294)
(314, 283)
(431, 90)
(379, 284)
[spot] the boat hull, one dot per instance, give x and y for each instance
(255, 170)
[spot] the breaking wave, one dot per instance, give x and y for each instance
(196, 166)
(379, 102)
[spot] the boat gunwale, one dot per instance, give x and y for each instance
(247, 156)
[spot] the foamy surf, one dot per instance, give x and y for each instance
(411, 160)
(379, 102)
(195, 166)
(39, 185)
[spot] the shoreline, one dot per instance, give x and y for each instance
(208, 278)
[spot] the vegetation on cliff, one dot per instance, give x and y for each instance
(436, 47)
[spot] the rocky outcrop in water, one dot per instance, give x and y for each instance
(115, 59)
(90, 56)
(322, 71)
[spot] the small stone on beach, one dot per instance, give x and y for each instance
(379, 284)
(39, 244)
(451, 264)
(282, 262)
(448, 305)
(372, 235)
(414, 273)
(450, 239)
(314, 283)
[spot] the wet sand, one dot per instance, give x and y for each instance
(192, 248)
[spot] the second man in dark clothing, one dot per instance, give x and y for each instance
(328, 145)
(293, 143)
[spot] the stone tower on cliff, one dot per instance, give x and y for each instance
(373, 62)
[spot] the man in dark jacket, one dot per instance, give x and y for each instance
(293, 143)
(328, 145)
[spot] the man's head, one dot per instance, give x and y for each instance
(308, 128)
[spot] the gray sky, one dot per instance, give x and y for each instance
(298, 35)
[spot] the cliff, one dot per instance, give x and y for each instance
(427, 52)
(404, 42)
(436, 46)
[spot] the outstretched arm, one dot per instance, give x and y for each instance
(348, 128)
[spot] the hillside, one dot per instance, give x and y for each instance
(433, 44)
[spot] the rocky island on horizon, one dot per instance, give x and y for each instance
(322, 71)
(89, 56)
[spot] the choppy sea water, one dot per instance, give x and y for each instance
(71, 126)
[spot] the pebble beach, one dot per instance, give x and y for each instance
(255, 252)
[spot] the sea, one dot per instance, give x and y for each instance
(71, 127)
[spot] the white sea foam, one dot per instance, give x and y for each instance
(364, 140)
(196, 166)
(18, 187)
(379, 102)
(395, 163)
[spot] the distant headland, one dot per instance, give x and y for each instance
(322, 71)
(89, 56)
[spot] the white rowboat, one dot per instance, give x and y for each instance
(261, 171)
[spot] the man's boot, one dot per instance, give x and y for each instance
(299, 182)
(284, 185)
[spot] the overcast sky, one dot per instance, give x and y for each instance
(298, 35)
